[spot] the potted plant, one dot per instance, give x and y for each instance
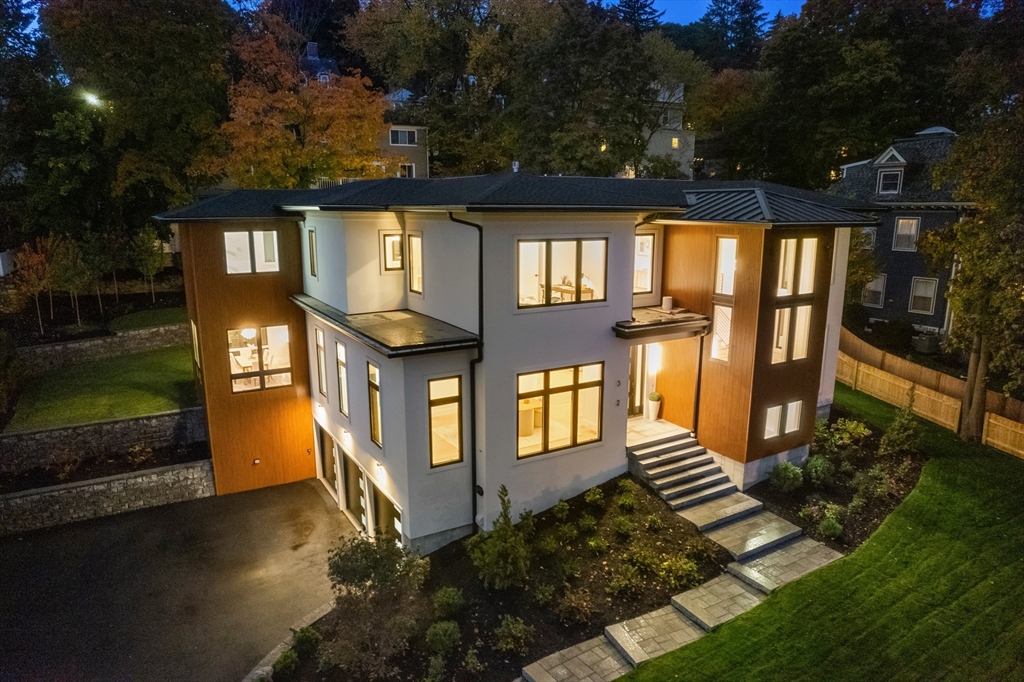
(653, 405)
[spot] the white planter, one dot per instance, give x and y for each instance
(653, 409)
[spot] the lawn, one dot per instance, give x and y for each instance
(148, 318)
(936, 593)
(115, 388)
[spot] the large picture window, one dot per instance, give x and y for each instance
(415, 263)
(373, 381)
(643, 264)
(403, 137)
(321, 363)
(342, 378)
(559, 408)
(259, 358)
(562, 271)
(252, 251)
(445, 401)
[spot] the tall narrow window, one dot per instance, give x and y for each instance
(801, 332)
(787, 266)
(259, 358)
(195, 343)
(780, 345)
(773, 422)
(725, 273)
(793, 416)
(253, 251)
(873, 295)
(722, 336)
(373, 380)
(561, 271)
(905, 237)
(415, 263)
(445, 399)
(321, 363)
(392, 251)
(312, 253)
(922, 295)
(643, 264)
(342, 378)
(808, 251)
(559, 408)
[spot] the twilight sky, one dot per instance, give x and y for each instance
(685, 11)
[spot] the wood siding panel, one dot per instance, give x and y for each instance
(677, 380)
(275, 425)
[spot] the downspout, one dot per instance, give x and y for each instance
(477, 490)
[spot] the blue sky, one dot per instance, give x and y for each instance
(685, 11)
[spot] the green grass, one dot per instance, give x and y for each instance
(148, 318)
(129, 386)
(936, 593)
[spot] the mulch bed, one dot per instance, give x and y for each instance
(100, 466)
(572, 566)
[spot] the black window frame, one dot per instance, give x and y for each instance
(547, 271)
(546, 393)
(438, 402)
(261, 373)
(252, 253)
(376, 418)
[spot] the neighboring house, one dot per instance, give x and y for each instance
(416, 344)
(669, 138)
(899, 181)
(409, 142)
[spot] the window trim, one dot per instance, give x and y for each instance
(384, 235)
(321, 360)
(342, 373)
(411, 166)
(935, 295)
(896, 233)
(547, 270)
(373, 393)
(437, 402)
(311, 243)
(654, 248)
(881, 302)
(546, 392)
(261, 373)
(419, 237)
(899, 181)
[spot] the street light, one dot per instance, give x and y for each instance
(92, 99)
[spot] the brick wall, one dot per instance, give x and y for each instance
(37, 359)
(22, 451)
(56, 505)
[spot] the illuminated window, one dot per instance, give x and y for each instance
(725, 274)
(808, 252)
(675, 143)
(312, 253)
(559, 408)
(445, 400)
(373, 381)
(793, 416)
(787, 266)
(780, 345)
(905, 238)
(252, 251)
(873, 295)
(773, 422)
(259, 358)
(321, 363)
(392, 252)
(889, 181)
(561, 271)
(722, 333)
(643, 264)
(342, 379)
(801, 332)
(415, 263)
(922, 295)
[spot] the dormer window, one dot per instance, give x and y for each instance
(890, 181)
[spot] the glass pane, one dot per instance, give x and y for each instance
(780, 345)
(588, 426)
(375, 425)
(725, 277)
(373, 373)
(561, 377)
(312, 253)
(342, 380)
(531, 426)
(723, 333)
(906, 234)
(874, 292)
(274, 380)
(275, 347)
(593, 276)
(265, 245)
(236, 252)
(560, 420)
(787, 266)
(923, 295)
(802, 332)
(531, 273)
(563, 272)
(444, 388)
(416, 264)
(444, 434)
(242, 385)
(392, 252)
(590, 373)
(643, 264)
(531, 382)
(807, 256)
(771, 427)
(242, 351)
(793, 416)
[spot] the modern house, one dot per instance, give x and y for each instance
(415, 344)
(899, 181)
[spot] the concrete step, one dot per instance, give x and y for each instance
(754, 534)
(652, 634)
(721, 511)
(704, 495)
(594, 659)
(718, 600)
(677, 479)
(691, 487)
(659, 447)
(662, 464)
(783, 564)
(679, 435)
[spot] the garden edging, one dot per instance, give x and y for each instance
(265, 667)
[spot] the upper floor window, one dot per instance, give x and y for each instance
(722, 333)
(403, 137)
(675, 143)
(445, 402)
(251, 251)
(312, 253)
(342, 378)
(559, 408)
(392, 250)
(789, 283)
(562, 271)
(643, 264)
(259, 358)
(922, 295)
(905, 236)
(889, 181)
(873, 295)
(416, 263)
(373, 382)
(725, 272)
(321, 362)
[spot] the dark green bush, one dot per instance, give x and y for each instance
(567, 532)
(819, 470)
(577, 606)
(501, 556)
(443, 637)
(306, 641)
(561, 510)
(701, 549)
(569, 567)
(626, 501)
(626, 581)
(547, 544)
(830, 528)
(286, 665)
(902, 434)
(654, 523)
(872, 484)
(786, 477)
(597, 545)
(448, 601)
(543, 593)
(623, 526)
(587, 523)
(513, 635)
(679, 572)
(628, 485)
(642, 556)
(472, 663)
(436, 670)
(594, 497)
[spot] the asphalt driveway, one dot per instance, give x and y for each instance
(192, 591)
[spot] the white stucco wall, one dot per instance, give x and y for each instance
(449, 268)
(330, 284)
(834, 322)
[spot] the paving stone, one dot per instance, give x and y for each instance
(595, 660)
(754, 534)
(717, 601)
(721, 511)
(652, 634)
(784, 564)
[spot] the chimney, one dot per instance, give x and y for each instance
(312, 51)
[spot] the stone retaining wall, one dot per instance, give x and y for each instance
(23, 451)
(60, 504)
(37, 359)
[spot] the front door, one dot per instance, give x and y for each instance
(328, 461)
(386, 516)
(355, 491)
(637, 379)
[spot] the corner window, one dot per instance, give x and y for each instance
(789, 284)
(445, 401)
(780, 343)
(922, 295)
(722, 335)
(905, 237)
(373, 381)
(321, 363)
(725, 272)
(312, 253)
(416, 263)
(259, 358)
(808, 253)
(342, 378)
(873, 295)
(561, 271)
(403, 137)
(251, 251)
(889, 181)
(643, 264)
(392, 251)
(559, 408)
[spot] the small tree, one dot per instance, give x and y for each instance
(70, 272)
(501, 555)
(148, 255)
(100, 258)
(33, 271)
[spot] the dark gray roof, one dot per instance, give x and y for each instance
(395, 333)
(234, 204)
(764, 203)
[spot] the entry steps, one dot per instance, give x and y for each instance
(680, 470)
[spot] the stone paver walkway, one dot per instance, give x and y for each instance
(652, 634)
(595, 660)
(721, 511)
(717, 601)
(754, 534)
(789, 562)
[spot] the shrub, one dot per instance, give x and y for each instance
(513, 635)
(443, 637)
(824, 442)
(501, 556)
(819, 511)
(597, 545)
(587, 523)
(569, 568)
(901, 436)
(594, 497)
(627, 580)
(654, 523)
(436, 670)
(701, 549)
(576, 607)
(679, 572)
(856, 505)
(546, 545)
(305, 641)
(830, 528)
(139, 453)
(527, 524)
(786, 477)
(472, 664)
(448, 601)
(872, 484)
(561, 510)
(567, 532)
(819, 471)
(623, 526)
(543, 593)
(627, 502)
(627, 485)
(286, 665)
(849, 431)
(642, 556)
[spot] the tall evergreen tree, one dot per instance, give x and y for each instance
(640, 14)
(747, 34)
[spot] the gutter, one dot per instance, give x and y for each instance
(477, 490)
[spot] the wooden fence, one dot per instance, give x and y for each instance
(937, 396)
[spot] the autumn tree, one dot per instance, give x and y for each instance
(70, 273)
(33, 272)
(148, 255)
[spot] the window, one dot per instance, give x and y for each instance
(643, 264)
(445, 399)
(869, 237)
(561, 271)
(675, 143)
(195, 343)
(342, 378)
(392, 244)
(873, 295)
(415, 263)
(321, 363)
(559, 408)
(787, 266)
(259, 358)
(403, 137)
(922, 295)
(793, 416)
(773, 422)
(253, 251)
(808, 251)
(889, 181)
(312, 253)
(725, 273)
(722, 333)
(373, 380)
(780, 345)
(801, 332)
(905, 238)
(407, 170)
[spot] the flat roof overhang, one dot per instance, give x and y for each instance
(392, 333)
(654, 321)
